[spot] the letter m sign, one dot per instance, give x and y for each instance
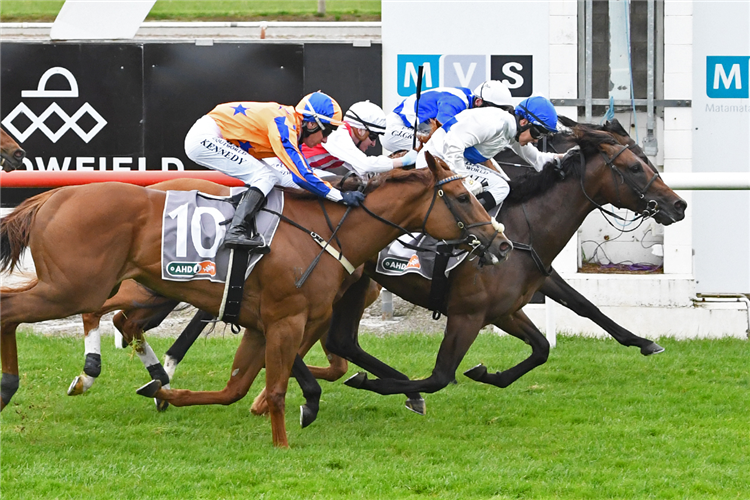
(727, 77)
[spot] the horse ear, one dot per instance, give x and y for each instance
(431, 163)
(567, 122)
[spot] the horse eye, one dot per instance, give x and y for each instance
(636, 168)
(463, 198)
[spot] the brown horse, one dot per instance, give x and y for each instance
(11, 154)
(82, 255)
(543, 211)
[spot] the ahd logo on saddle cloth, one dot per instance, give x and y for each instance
(193, 230)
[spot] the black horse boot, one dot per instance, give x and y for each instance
(238, 234)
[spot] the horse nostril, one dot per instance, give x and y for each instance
(505, 247)
(680, 205)
(19, 154)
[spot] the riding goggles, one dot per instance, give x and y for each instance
(537, 132)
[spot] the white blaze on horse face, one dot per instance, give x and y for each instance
(93, 341)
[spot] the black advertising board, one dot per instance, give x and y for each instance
(111, 106)
(183, 82)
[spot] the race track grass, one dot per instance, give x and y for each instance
(597, 421)
(213, 10)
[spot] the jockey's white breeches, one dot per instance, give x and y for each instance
(205, 145)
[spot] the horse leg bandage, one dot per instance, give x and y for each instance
(92, 343)
(152, 364)
(8, 387)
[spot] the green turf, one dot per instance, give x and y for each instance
(597, 421)
(213, 10)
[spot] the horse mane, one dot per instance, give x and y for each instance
(398, 175)
(533, 184)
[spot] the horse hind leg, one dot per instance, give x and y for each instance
(9, 356)
(520, 326)
(248, 361)
(92, 366)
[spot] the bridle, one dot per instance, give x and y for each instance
(652, 207)
(466, 236)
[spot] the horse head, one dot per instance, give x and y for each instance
(11, 154)
(460, 210)
(615, 173)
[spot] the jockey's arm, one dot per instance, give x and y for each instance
(341, 146)
(532, 155)
(283, 139)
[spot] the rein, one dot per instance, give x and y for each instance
(465, 238)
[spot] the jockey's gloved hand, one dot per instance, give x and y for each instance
(409, 158)
(562, 157)
(572, 151)
(352, 198)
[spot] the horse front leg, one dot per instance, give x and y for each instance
(248, 361)
(520, 326)
(460, 332)
(283, 339)
(560, 291)
(342, 340)
(9, 360)
(92, 365)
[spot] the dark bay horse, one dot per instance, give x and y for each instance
(82, 255)
(11, 154)
(543, 211)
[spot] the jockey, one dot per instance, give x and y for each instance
(440, 104)
(241, 139)
(363, 123)
(470, 140)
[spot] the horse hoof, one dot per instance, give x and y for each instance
(149, 390)
(357, 380)
(652, 348)
(306, 416)
(418, 406)
(161, 404)
(477, 372)
(76, 388)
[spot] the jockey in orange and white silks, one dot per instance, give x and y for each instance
(258, 143)
(470, 140)
(345, 148)
(439, 104)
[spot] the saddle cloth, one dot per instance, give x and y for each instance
(397, 260)
(193, 232)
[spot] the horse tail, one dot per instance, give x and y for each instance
(15, 230)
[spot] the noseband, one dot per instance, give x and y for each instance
(652, 207)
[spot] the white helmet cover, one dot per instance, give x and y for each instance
(494, 92)
(366, 115)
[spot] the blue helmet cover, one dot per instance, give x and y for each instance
(539, 111)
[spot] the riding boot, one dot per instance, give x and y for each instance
(238, 234)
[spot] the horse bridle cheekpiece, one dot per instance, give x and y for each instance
(652, 207)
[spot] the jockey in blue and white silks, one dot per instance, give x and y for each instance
(470, 140)
(439, 104)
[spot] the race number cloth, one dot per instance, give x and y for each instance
(397, 260)
(192, 233)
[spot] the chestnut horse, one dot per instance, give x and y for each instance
(82, 255)
(11, 154)
(542, 211)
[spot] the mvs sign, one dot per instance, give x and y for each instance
(727, 77)
(451, 70)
